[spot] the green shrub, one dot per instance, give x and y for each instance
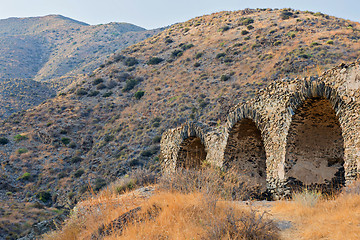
(156, 124)
(156, 119)
(177, 53)
(99, 184)
(100, 86)
(61, 175)
(131, 61)
(109, 138)
(249, 27)
(168, 40)
(199, 55)
(227, 60)
(107, 94)
(22, 150)
(79, 173)
(247, 21)
(65, 140)
(155, 60)
(44, 196)
(286, 14)
(224, 77)
(197, 64)
(277, 43)
(125, 186)
(98, 81)
(26, 176)
(330, 42)
(291, 34)
(72, 145)
(156, 139)
(93, 93)
(76, 159)
(306, 56)
(224, 28)
(4, 140)
(139, 94)
(151, 151)
(130, 84)
(186, 46)
(244, 32)
(315, 44)
(19, 138)
(272, 31)
(81, 92)
(220, 55)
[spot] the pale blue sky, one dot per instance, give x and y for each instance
(157, 13)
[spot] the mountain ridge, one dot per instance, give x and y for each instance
(57, 50)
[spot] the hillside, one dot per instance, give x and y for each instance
(111, 121)
(57, 49)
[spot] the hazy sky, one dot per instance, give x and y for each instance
(159, 13)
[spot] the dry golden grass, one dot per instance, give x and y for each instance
(168, 216)
(195, 216)
(91, 214)
(337, 218)
(171, 212)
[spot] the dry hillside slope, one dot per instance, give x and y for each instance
(112, 120)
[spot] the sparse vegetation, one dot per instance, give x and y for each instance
(285, 14)
(199, 55)
(244, 32)
(26, 177)
(65, 140)
(81, 92)
(224, 77)
(247, 21)
(177, 53)
(4, 141)
(107, 94)
(79, 173)
(130, 84)
(98, 81)
(20, 137)
(155, 60)
(220, 55)
(139, 94)
(21, 150)
(44, 196)
(131, 61)
(197, 64)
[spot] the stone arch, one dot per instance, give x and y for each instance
(244, 150)
(315, 139)
(192, 149)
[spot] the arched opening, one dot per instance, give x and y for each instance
(245, 153)
(315, 147)
(191, 154)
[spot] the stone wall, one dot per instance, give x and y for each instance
(294, 132)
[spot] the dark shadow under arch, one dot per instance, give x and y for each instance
(245, 152)
(191, 154)
(315, 147)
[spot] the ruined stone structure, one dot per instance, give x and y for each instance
(295, 132)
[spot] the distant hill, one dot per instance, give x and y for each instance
(58, 49)
(109, 122)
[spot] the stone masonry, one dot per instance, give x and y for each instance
(294, 133)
